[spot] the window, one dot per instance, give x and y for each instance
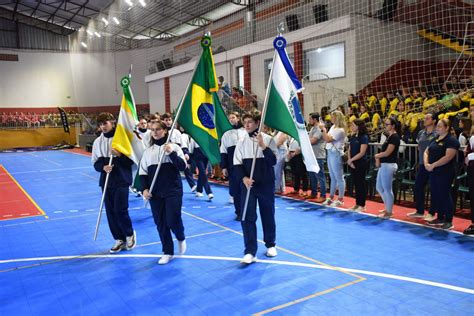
(240, 77)
(323, 62)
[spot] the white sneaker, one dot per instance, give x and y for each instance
(182, 247)
(231, 200)
(210, 196)
(355, 207)
(429, 218)
(165, 259)
(248, 259)
(415, 214)
(193, 189)
(131, 241)
(360, 209)
(199, 194)
(118, 246)
(271, 252)
(337, 203)
(327, 202)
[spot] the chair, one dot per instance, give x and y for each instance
(404, 179)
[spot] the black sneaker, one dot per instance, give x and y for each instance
(447, 226)
(469, 230)
(238, 218)
(436, 222)
(119, 246)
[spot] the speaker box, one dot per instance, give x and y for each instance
(292, 22)
(320, 12)
(388, 10)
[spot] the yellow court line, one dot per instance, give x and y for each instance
(26, 193)
(302, 299)
(278, 247)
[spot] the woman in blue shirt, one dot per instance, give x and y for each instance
(439, 160)
(357, 161)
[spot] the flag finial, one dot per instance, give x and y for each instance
(280, 28)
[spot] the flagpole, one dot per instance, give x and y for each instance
(262, 120)
(102, 200)
(170, 132)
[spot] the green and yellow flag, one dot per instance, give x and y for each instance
(202, 116)
(126, 139)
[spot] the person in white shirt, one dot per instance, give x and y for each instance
(228, 142)
(335, 139)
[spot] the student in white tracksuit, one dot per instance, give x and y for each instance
(262, 186)
(120, 178)
(228, 142)
(166, 197)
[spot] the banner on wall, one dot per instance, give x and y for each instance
(64, 120)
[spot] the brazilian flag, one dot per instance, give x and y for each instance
(202, 116)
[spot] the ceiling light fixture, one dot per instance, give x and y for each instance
(90, 33)
(142, 2)
(84, 44)
(129, 2)
(97, 34)
(116, 20)
(105, 21)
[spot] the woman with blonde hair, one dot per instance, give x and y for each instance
(335, 139)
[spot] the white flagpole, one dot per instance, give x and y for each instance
(262, 120)
(102, 200)
(108, 174)
(170, 132)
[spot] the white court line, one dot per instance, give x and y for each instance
(48, 170)
(73, 211)
(24, 214)
(277, 262)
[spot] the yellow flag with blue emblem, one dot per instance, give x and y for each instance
(202, 116)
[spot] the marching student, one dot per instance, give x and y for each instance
(228, 142)
(120, 178)
(188, 150)
(143, 131)
(166, 197)
(201, 161)
(262, 186)
(176, 135)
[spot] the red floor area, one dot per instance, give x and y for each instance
(14, 201)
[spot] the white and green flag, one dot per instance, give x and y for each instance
(126, 140)
(283, 108)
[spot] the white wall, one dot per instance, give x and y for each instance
(381, 45)
(178, 86)
(47, 79)
(157, 96)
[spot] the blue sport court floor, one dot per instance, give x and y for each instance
(330, 261)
